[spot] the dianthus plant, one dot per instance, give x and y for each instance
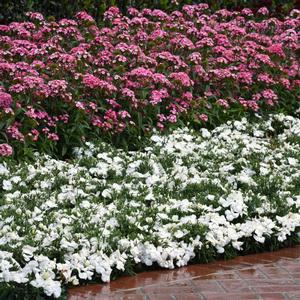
(65, 81)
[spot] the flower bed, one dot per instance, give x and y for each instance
(68, 81)
(190, 196)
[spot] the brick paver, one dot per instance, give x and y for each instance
(266, 276)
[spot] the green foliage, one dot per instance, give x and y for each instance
(10, 291)
(14, 10)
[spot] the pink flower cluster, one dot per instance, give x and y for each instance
(5, 100)
(143, 70)
(5, 150)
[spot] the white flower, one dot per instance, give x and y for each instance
(28, 252)
(192, 180)
(179, 234)
(205, 133)
(3, 170)
(245, 178)
(106, 193)
(292, 161)
(85, 204)
(50, 287)
(236, 202)
(6, 185)
(156, 139)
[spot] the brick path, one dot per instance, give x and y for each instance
(272, 275)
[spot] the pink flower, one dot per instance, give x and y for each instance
(80, 105)
(6, 150)
(222, 74)
(14, 132)
(111, 13)
(266, 78)
(91, 81)
(158, 95)
(94, 82)
(143, 62)
(187, 96)
(35, 135)
(132, 11)
(203, 117)
(160, 126)
(270, 96)
(249, 104)
(57, 87)
(263, 11)
(53, 137)
(124, 114)
(247, 12)
(265, 59)
(182, 78)
(35, 16)
(182, 42)
(82, 15)
(4, 28)
(161, 117)
(223, 103)
(142, 72)
(195, 57)
(277, 49)
(158, 34)
(5, 100)
(172, 118)
(245, 77)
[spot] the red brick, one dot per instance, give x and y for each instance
(126, 297)
(207, 286)
(231, 296)
(266, 282)
(272, 271)
(292, 269)
(222, 275)
(296, 275)
(235, 286)
(272, 296)
(251, 273)
(189, 297)
(170, 290)
(294, 296)
(160, 297)
(278, 288)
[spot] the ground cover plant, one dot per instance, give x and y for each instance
(190, 196)
(67, 81)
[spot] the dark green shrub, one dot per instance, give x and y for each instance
(14, 10)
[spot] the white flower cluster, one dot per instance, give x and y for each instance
(187, 194)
